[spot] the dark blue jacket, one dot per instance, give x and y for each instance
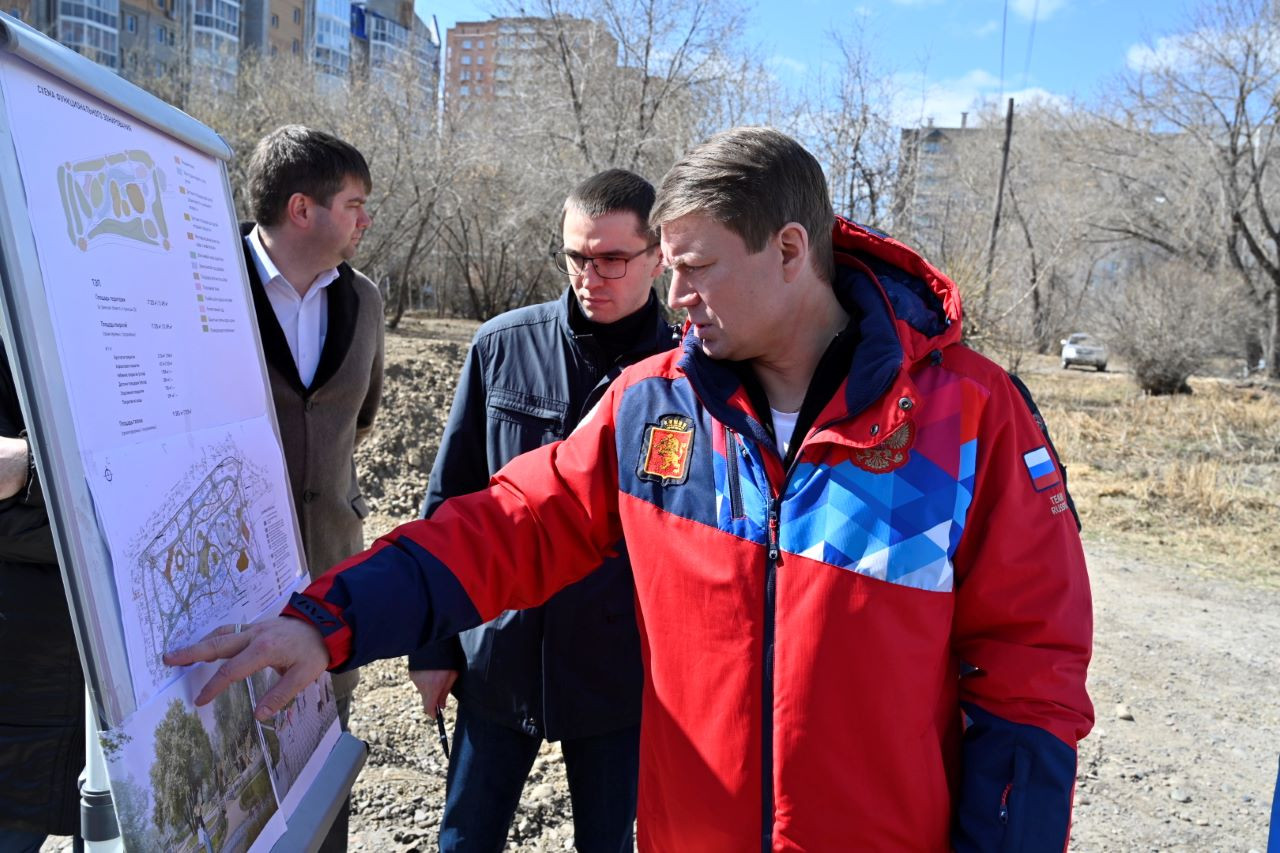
(570, 668)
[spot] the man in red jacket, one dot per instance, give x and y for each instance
(863, 604)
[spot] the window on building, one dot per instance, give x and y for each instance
(170, 38)
(297, 18)
(480, 44)
(274, 50)
(297, 48)
(275, 22)
(465, 90)
(464, 75)
(130, 23)
(159, 34)
(466, 60)
(479, 60)
(479, 75)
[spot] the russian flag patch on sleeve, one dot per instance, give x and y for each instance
(1040, 467)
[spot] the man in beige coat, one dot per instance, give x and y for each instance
(321, 326)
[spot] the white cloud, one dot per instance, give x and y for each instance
(992, 26)
(1039, 10)
(944, 100)
(1170, 52)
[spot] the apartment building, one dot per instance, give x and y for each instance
(388, 38)
(275, 27)
(485, 59)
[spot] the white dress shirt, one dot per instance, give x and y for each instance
(304, 319)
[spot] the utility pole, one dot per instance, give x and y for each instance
(995, 219)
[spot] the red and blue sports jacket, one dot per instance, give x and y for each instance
(882, 647)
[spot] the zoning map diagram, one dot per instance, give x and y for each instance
(215, 547)
(114, 196)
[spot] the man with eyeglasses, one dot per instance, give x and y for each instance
(569, 670)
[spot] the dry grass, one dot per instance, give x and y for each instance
(1193, 480)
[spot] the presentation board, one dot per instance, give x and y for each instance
(130, 325)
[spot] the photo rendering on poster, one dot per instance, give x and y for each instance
(201, 535)
(141, 264)
(193, 779)
(299, 738)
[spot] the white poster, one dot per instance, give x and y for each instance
(156, 336)
(141, 267)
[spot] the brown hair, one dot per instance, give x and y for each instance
(615, 191)
(752, 180)
(296, 159)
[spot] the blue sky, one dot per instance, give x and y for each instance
(945, 54)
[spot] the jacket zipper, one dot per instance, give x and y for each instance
(1004, 803)
(731, 466)
(774, 557)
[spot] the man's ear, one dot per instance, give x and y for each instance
(298, 210)
(793, 243)
(658, 267)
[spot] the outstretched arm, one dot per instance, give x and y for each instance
(548, 519)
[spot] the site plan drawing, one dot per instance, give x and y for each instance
(202, 536)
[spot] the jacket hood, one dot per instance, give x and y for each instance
(923, 303)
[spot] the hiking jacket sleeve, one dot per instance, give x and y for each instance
(460, 468)
(1023, 632)
(547, 519)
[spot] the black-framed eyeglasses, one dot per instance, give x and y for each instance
(612, 266)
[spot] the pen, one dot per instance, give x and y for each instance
(440, 730)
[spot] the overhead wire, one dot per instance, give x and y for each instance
(1031, 40)
(1004, 31)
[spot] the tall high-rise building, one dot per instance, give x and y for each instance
(89, 27)
(23, 10)
(389, 40)
(215, 42)
(275, 27)
(151, 38)
(485, 59)
(331, 38)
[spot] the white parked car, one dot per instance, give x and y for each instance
(1084, 350)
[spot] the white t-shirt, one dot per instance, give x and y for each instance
(784, 424)
(304, 319)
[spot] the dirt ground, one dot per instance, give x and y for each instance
(1189, 653)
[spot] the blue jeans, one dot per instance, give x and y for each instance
(488, 766)
(20, 841)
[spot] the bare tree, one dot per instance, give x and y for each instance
(847, 121)
(1206, 99)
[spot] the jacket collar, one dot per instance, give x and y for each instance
(344, 312)
(653, 335)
